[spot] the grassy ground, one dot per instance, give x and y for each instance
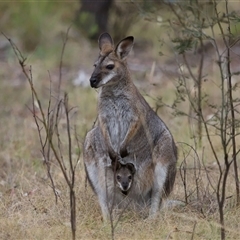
(28, 209)
(27, 204)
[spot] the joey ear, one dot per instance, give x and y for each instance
(131, 167)
(105, 42)
(124, 47)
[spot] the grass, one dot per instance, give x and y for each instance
(27, 204)
(34, 215)
(28, 208)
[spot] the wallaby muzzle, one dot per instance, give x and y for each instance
(93, 82)
(125, 186)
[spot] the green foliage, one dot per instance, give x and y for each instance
(183, 45)
(34, 22)
(86, 22)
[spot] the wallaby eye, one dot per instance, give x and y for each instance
(118, 178)
(94, 64)
(130, 177)
(110, 66)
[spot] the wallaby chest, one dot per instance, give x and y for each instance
(117, 113)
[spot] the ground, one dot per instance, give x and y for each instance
(28, 208)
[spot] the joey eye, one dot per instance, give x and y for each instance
(94, 64)
(110, 66)
(118, 178)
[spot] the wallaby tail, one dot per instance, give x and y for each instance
(168, 185)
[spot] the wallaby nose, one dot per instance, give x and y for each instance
(125, 186)
(93, 82)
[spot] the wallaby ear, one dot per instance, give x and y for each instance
(105, 42)
(124, 47)
(131, 167)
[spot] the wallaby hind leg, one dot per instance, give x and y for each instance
(94, 178)
(159, 178)
(164, 158)
(95, 160)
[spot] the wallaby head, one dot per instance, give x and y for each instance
(124, 174)
(110, 66)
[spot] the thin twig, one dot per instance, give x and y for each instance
(61, 61)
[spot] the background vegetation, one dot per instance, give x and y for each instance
(166, 66)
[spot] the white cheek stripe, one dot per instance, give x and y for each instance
(120, 186)
(108, 78)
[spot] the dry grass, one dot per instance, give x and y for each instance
(30, 212)
(28, 209)
(27, 203)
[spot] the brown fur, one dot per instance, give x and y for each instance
(127, 130)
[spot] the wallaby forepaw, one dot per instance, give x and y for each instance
(123, 153)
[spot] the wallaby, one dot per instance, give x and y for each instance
(110, 178)
(128, 128)
(123, 174)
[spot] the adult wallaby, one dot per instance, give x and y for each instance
(128, 128)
